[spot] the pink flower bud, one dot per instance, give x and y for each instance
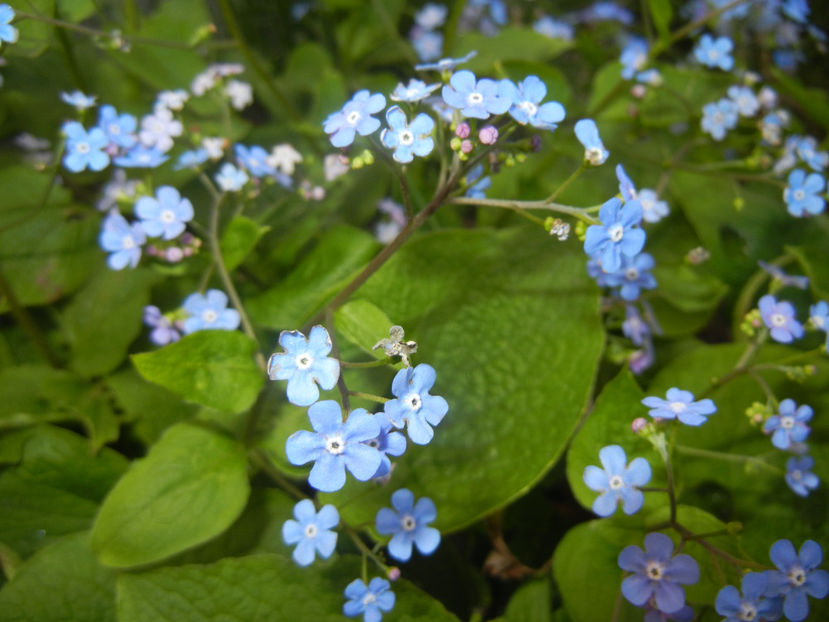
(463, 130)
(488, 135)
(467, 146)
(394, 573)
(638, 424)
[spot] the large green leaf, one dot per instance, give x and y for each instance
(190, 487)
(238, 240)
(258, 588)
(63, 581)
(210, 367)
(511, 326)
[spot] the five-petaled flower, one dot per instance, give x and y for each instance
(166, 214)
(408, 139)
(8, 33)
(122, 239)
(311, 531)
(802, 195)
(617, 481)
(209, 312)
(355, 117)
(797, 576)
(335, 446)
(371, 600)
(527, 107)
(84, 149)
(617, 235)
(715, 52)
(304, 363)
(388, 443)
(789, 425)
(680, 405)
(414, 406)
(657, 574)
(719, 116)
(799, 476)
(780, 319)
(477, 98)
(408, 523)
(751, 605)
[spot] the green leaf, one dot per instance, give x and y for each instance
(687, 288)
(480, 304)
(34, 36)
(191, 486)
(239, 239)
(210, 367)
(258, 588)
(532, 602)
(813, 262)
(108, 310)
(341, 252)
(363, 324)
(63, 581)
(511, 43)
(24, 189)
(661, 13)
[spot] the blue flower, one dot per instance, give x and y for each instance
(778, 274)
(230, 179)
(680, 405)
(84, 149)
(634, 327)
(477, 185)
(163, 330)
(803, 193)
(79, 100)
(414, 405)
(751, 605)
(626, 187)
(653, 210)
(371, 601)
(311, 531)
(413, 92)
(192, 158)
(387, 443)
(254, 159)
(807, 151)
(164, 215)
(617, 235)
(553, 29)
(745, 100)
(819, 317)
(780, 319)
(119, 129)
(617, 481)
(588, 135)
(527, 107)
(335, 446)
(715, 52)
(477, 98)
(446, 64)
(122, 240)
(141, 157)
(796, 577)
(355, 116)
(8, 33)
(305, 362)
(717, 117)
(409, 524)
(428, 44)
(408, 140)
(209, 312)
(431, 16)
(634, 56)
(633, 276)
(657, 574)
(789, 425)
(799, 475)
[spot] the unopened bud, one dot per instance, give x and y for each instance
(488, 135)
(467, 146)
(463, 130)
(393, 573)
(638, 424)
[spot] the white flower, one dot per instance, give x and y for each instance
(240, 94)
(159, 128)
(204, 81)
(174, 100)
(334, 166)
(214, 146)
(284, 158)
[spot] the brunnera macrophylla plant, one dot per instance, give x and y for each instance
(603, 229)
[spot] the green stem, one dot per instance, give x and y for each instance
(260, 459)
(27, 323)
(355, 537)
(364, 364)
(573, 176)
(726, 457)
(369, 396)
(687, 534)
(546, 205)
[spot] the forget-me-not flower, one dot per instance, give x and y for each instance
(192, 158)
(476, 184)
(819, 318)
(780, 319)
(797, 576)
(552, 28)
(140, 156)
(789, 425)
(617, 235)
(715, 52)
(335, 446)
(657, 574)
(166, 214)
(163, 330)
(431, 16)
(414, 406)
(414, 91)
(408, 139)
(653, 208)
(119, 128)
(802, 195)
(634, 56)
(159, 129)
(254, 159)
(634, 327)
(84, 149)
(8, 33)
(79, 100)
(633, 276)
(718, 117)
(680, 405)
(428, 44)
(745, 100)
(311, 531)
(617, 481)
(209, 312)
(231, 179)
(477, 98)
(371, 600)
(409, 524)
(752, 605)
(122, 239)
(527, 107)
(355, 117)
(588, 135)
(388, 443)
(807, 151)
(305, 364)
(778, 274)
(446, 64)
(799, 476)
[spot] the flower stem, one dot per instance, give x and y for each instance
(260, 459)
(573, 176)
(367, 553)
(369, 396)
(546, 205)
(726, 457)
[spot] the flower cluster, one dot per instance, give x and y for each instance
(206, 311)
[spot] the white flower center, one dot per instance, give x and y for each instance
(209, 316)
(593, 155)
(796, 576)
(408, 522)
(114, 128)
(310, 531)
(796, 475)
(631, 274)
(411, 93)
(713, 55)
(778, 319)
(82, 147)
(413, 401)
(127, 242)
(654, 570)
(167, 216)
(747, 612)
(718, 118)
(677, 407)
(475, 98)
(368, 599)
(335, 445)
(799, 195)
(375, 442)
(353, 117)
(615, 233)
(616, 482)
(787, 422)
(817, 320)
(405, 137)
(304, 361)
(529, 107)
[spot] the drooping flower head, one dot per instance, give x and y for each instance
(617, 481)
(588, 135)
(140, 156)
(680, 405)
(305, 364)
(408, 139)
(634, 56)
(371, 600)
(408, 523)
(335, 446)
(166, 214)
(789, 425)
(414, 406)
(617, 235)
(209, 312)
(355, 118)
(780, 319)
(413, 92)
(797, 576)
(79, 100)
(311, 531)
(477, 98)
